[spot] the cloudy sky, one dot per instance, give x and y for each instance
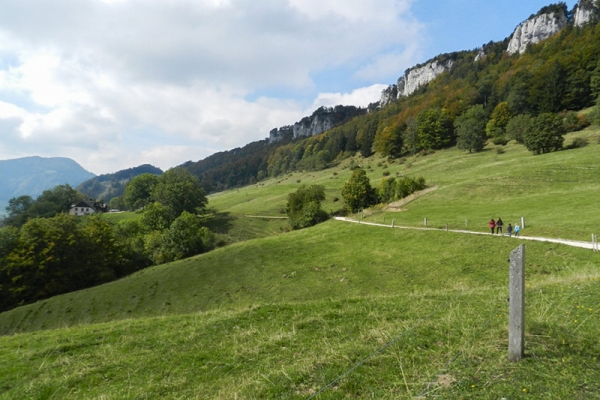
(114, 84)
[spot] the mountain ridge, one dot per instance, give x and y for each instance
(32, 175)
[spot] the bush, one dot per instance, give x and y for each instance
(500, 141)
(304, 206)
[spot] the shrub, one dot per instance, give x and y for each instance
(500, 141)
(304, 206)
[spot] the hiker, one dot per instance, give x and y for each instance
(499, 225)
(509, 229)
(492, 225)
(517, 230)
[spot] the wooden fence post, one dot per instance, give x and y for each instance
(425, 221)
(392, 223)
(522, 222)
(516, 315)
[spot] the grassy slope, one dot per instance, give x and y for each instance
(281, 317)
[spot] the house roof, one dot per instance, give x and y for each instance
(84, 204)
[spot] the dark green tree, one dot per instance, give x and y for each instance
(518, 127)
(156, 217)
(546, 134)
(435, 129)
(17, 210)
(304, 206)
(180, 191)
(471, 129)
(357, 192)
(367, 138)
(185, 237)
(138, 192)
(387, 190)
(54, 201)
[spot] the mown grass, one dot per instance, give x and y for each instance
(395, 313)
(419, 345)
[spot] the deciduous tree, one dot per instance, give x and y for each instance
(546, 134)
(357, 192)
(471, 129)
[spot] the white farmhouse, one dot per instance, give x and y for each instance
(82, 208)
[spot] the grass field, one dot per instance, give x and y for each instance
(343, 311)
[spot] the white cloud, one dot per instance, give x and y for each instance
(117, 83)
(361, 97)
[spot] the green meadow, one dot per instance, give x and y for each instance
(340, 310)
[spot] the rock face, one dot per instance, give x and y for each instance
(323, 119)
(278, 134)
(313, 125)
(389, 95)
(536, 29)
(586, 11)
(414, 78)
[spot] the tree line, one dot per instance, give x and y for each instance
(43, 255)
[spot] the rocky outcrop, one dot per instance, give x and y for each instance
(586, 11)
(278, 134)
(313, 125)
(418, 76)
(323, 119)
(414, 78)
(548, 22)
(389, 95)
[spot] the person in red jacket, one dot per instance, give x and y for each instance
(492, 225)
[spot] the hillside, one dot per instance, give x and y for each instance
(549, 64)
(108, 186)
(32, 175)
(286, 315)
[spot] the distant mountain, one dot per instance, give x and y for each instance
(32, 175)
(108, 186)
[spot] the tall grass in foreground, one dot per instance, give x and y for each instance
(450, 344)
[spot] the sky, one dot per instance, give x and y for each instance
(114, 84)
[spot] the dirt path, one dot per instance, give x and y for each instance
(397, 205)
(572, 243)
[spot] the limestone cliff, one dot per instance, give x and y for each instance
(546, 23)
(586, 11)
(388, 95)
(278, 134)
(323, 119)
(414, 78)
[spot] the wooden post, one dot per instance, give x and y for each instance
(516, 315)
(466, 223)
(392, 223)
(425, 221)
(522, 222)
(446, 227)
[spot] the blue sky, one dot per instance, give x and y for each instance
(114, 84)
